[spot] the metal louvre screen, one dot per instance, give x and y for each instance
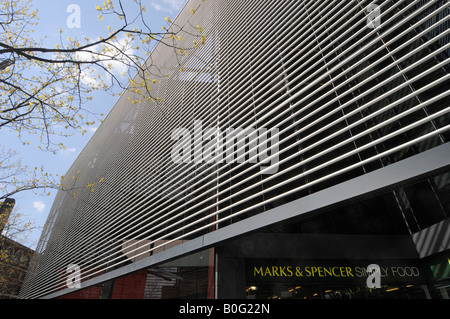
(315, 93)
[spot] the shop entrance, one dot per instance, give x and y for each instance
(322, 267)
(310, 291)
(334, 279)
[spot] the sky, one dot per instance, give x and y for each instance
(54, 15)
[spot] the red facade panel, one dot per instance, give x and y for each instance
(130, 287)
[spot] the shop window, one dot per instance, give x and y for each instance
(378, 215)
(441, 185)
(424, 204)
(307, 292)
(443, 289)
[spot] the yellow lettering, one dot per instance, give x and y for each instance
(258, 271)
(289, 270)
(333, 270)
(307, 270)
(310, 271)
(349, 272)
(320, 271)
(275, 271)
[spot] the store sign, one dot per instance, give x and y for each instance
(332, 271)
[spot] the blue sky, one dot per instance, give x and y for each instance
(52, 16)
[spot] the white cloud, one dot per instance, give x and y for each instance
(168, 5)
(39, 205)
(67, 151)
(175, 4)
(157, 7)
(120, 61)
(87, 79)
(117, 58)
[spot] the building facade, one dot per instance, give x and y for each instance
(302, 143)
(13, 268)
(14, 257)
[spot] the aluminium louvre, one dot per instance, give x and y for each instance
(98, 252)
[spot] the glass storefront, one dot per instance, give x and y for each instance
(324, 255)
(307, 292)
(336, 279)
(443, 289)
(409, 220)
(190, 277)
